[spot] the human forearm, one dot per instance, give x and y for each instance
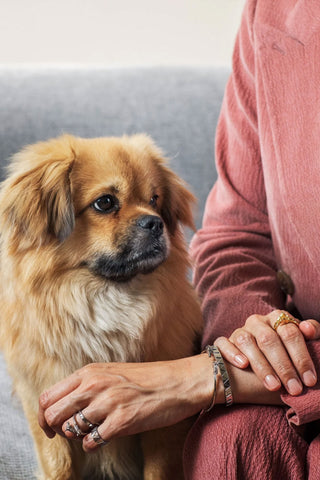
(128, 398)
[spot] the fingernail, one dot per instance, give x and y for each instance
(294, 387)
(241, 360)
(272, 382)
(309, 378)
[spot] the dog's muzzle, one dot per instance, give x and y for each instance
(144, 249)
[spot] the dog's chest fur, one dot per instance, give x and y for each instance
(121, 320)
(106, 324)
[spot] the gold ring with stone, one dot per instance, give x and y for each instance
(283, 319)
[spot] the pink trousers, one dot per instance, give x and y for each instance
(248, 442)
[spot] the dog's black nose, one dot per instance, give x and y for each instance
(152, 223)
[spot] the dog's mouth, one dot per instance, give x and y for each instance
(141, 253)
(123, 268)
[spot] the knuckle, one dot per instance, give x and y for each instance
(44, 400)
(120, 418)
(289, 333)
(243, 338)
(50, 418)
(252, 320)
(220, 340)
(87, 369)
(90, 386)
(285, 371)
(223, 344)
(113, 400)
(303, 363)
(266, 339)
(236, 332)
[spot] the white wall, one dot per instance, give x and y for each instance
(119, 32)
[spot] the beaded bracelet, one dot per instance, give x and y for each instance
(219, 366)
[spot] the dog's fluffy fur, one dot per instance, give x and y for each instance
(93, 269)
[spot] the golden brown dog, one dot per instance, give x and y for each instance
(91, 252)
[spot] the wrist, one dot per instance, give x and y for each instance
(219, 366)
(202, 375)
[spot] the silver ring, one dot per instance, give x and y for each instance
(86, 421)
(70, 428)
(74, 429)
(78, 430)
(97, 437)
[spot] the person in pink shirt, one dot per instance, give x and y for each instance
(258, 251)
(256, 269)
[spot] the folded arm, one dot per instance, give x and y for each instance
(128, 398)
(235, 263)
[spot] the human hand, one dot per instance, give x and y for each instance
(127, 398)
(276, 357)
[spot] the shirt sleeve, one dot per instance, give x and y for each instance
(234, 261)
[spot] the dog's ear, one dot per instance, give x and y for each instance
(35, 200)
(178, 202)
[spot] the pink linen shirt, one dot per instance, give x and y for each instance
(263, 214)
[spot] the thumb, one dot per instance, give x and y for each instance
(310, 329)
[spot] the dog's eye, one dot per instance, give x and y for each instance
(153, 200)
(106, 204)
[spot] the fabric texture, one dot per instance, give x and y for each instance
(262, 214)
(245, 442)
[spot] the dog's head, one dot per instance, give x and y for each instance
(108, 204)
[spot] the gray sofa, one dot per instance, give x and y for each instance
(178, 107)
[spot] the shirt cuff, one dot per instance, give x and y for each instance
(304, 408)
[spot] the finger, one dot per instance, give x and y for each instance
(296, 347)
(246, 343)
(96, 439)
(64, 409)
(79, 424)
(275, 348)
(295, 344)
(310, 329)
(45, 427)
(41, 417)
(231, 353)
(59, 390)
(277, 356)
(49, 398)
(279, 350)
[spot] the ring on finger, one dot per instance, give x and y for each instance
(74, 428)
(70, 428)
(86, 421)
(283, 319)
(97, 437)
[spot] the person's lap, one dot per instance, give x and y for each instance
(245, 442)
